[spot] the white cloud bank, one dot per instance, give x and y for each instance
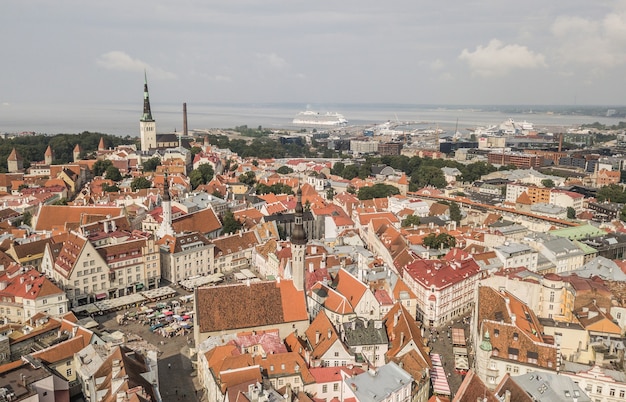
(499, 59)
(121, 61)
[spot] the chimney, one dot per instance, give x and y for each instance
(513, 317)
(507, 396)
(185, 119)
(401, 338)
(330, 333)
(317, 337)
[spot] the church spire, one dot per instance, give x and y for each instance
(298, 236)
(147, 113)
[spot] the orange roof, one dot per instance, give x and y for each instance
(57, 216)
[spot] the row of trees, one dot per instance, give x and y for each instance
(422, 171)
(33, 147)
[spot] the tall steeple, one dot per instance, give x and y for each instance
(147, 113)
(147, 125)
(298, 246)
(166, 204)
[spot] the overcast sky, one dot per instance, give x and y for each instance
(362, 51)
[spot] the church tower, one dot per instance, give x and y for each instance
(166, 204)
(76, 153)
(298, 246)
(15, 162)
(147, 125)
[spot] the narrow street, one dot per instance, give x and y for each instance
(440, 342)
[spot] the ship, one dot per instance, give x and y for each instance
(312, 118)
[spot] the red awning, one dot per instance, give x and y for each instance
(101, 296)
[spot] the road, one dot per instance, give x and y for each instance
(442, 345)
(177, 378)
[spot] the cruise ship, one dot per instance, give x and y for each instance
(311, 118)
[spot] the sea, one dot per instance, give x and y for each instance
(123, 119)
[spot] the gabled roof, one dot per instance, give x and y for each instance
(58, 216)
(349, 286)
(402, 329)
(239, 306)
(204, 221)
(321, 335)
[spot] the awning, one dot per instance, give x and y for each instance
(101, 296)
(139, 286)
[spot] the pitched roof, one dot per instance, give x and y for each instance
(239, 306)
(321, 335)
(58, 216)
(204, 221)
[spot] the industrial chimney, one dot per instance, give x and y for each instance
(185, 133)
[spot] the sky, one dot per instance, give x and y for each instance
(461, 52)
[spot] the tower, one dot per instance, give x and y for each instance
(76, 153)
(166, 204)
(147, 125)
(298, 246)
(15, 162)
(48, 156)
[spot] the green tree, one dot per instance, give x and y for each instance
(429, 176)
(350, 172)
(255, 163)
(378, 190)
(338, 168)
(27, 218)
(613, 193)
(330, 193)
(113, 173)
(100, 167)
(351, 190)
(151, 164)
(248, 178)
(230, 224)
(207, 172)
(571, 213)
(139, 183)
(410, 221)
(455, 212)
(284, 169)
(110, 188)
(195, 178)
(195, 150)
(62, 201)
(217, 194)
(549, 183)
(441, 240)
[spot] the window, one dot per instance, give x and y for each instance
(515, 369)
(336, 386)
(598, 389)
(508, 368)
(612, 392)
(336, 354)
(68, 372)
(324, 389)
(496, 333)
(621, 393)
(44, 301)
(618, 316)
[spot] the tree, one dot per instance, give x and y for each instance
(139, 183)
(351, 190)
(378, 190)
(284, 169)
(230, 224)
(195, 178)
(571, 213)
(248, 178)
(27, 218)
(429, 176)
(195, 150)
(255, 163)
(113, 173)
(110, 188)
(350, 172)
(613, 193)
(202, 175)
(455, 212)
(99, 167)
(338, 168)
(548, 183)
(441, 240)
(410, 221)
(151, 164)
(330, 193)
(217, 194)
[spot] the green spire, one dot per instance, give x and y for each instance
(486, 343)
(147, 114)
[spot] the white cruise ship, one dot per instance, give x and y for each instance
(311, 118)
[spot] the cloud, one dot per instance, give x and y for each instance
(272, 60)
(437, 65)
(600, 42)
(121, 61)
(498, 59)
